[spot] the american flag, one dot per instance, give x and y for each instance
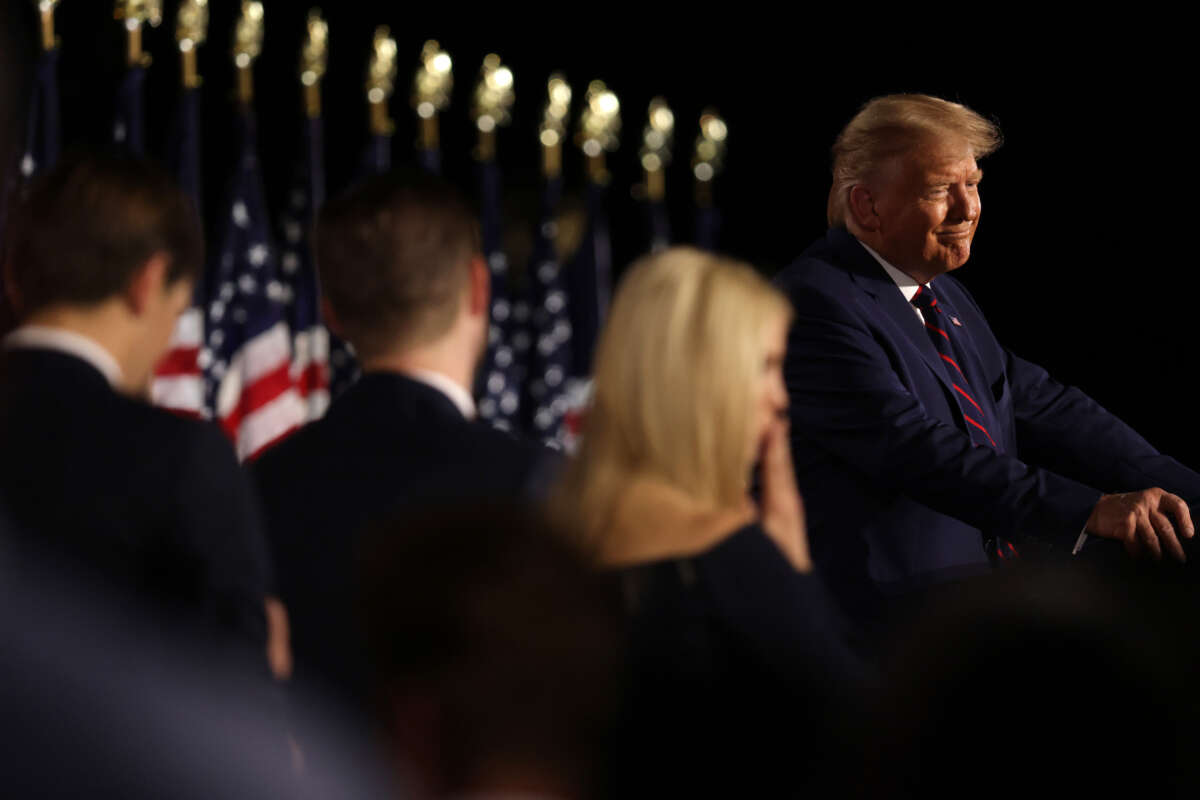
(129, 122)
(589, 284)
(178, 382)
(310, 339)
(550, 357)
(503, 374)
(248, 347)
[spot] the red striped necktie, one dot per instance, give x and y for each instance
(938, 324)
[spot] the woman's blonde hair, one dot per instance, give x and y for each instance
(674, 375)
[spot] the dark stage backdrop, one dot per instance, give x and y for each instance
(1083, 261)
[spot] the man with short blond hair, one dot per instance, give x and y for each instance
(925, 450)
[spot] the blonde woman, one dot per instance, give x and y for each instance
(728, 622)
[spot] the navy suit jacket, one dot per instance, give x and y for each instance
(388, 442)
(897, 496)
(156, 503)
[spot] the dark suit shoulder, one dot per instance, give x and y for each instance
(398, 436)
(156, 499)
(814, 271)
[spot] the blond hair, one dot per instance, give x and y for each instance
(674, 371)
(889, 125)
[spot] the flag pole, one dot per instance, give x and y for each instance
(247, 45)
(314, 56)
(554, 125)
(599, 124)
(655, 155)
(381, 80)
(707, 162)
(46, 11)
(431, 94)
(191, 31)
(137, 13)
(491, 105)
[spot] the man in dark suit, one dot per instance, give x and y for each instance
(103, 255)
(406, 285)
(926, 451)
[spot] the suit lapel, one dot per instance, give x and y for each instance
(872, 279)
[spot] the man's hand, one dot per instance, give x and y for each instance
(782, 511)
(1140, 520)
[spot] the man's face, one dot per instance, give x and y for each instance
(927, 206)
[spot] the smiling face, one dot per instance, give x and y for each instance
(924, 208)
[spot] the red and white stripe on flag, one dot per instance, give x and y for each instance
(257, 401)
(178, 383)
(310, 369)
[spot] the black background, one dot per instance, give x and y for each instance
(1084, 259)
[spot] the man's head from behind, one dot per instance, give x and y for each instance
(108, 245)
(906, 180)
(399, 258)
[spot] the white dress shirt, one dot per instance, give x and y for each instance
(907, 284)
(44, 337)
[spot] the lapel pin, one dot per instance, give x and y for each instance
(956, 322)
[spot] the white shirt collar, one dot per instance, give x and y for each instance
(908, 285)
(44, 337)
(458, 395)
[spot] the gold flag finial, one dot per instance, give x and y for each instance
(191, 29)
(135, 14)
(381, 80)
(599, 126)
(554, 123)
(247, 44)
(431, 90)
(656, 147)
(314, 55)
(709, 157)
(46, 12)
(492, 103)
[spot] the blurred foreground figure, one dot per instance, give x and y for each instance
(103, 254)
(1043, 683)
(737, 667)
(406, 285)
(106, 696)
(927, 450)
(494, 654)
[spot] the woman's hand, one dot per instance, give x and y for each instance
(781, 510)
